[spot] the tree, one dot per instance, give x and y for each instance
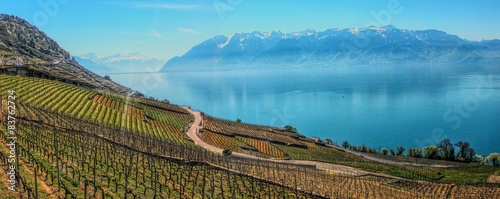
(465, 153)
(480, 159)
(494, 158)
(328, 141)
(400, 150)
(107, 77)
(393, 153)
(414, 152)
(431, 152)
(374, 151)
(238, 120)
(363, 148)
(384, 151)
(462, 147)
(290, 128)
(346, 144)
(447, 150)
(470, 154)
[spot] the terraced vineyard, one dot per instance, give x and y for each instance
(262, 132)
(264, 147)
(224, 142)
(125, 114)
(78, 164)
(83, 165)
(293, 146)
(78, 143)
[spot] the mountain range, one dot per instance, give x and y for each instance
(134, 62)
(335, 47)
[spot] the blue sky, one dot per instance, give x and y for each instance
(167, 28)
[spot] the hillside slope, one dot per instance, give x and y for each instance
(24, 46)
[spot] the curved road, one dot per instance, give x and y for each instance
(194, 129)
(193, 134)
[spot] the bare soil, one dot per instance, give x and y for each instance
(493, 179)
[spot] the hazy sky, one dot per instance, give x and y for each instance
(166, 28)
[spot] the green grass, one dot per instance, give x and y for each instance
(467, 175)
(6, 53)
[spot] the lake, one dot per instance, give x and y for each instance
(380, 106)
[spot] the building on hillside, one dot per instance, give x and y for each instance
(18, 62)
(19, 70)
(16, 67)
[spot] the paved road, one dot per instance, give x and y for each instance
(193, 134)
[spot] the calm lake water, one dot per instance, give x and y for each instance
(380, 106)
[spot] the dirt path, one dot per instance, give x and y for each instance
(493, 179)
(194, 129)
(193, 134)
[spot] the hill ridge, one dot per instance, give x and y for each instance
(27, 51)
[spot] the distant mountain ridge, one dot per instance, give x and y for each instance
(94, 67)
(133, 62)
(335, 47)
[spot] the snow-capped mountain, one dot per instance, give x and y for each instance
(334, 47)
(94, 67)
(134, 62)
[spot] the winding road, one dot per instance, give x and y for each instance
(193, 134)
